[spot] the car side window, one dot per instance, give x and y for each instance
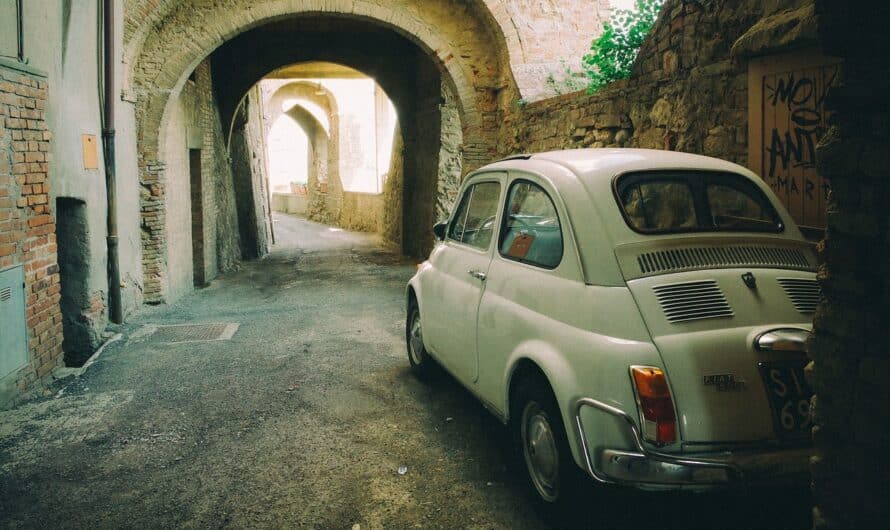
(474, 220)
(532, 233)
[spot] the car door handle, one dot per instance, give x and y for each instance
(479, 275)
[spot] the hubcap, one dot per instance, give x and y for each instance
(540, 452)
(415, 338)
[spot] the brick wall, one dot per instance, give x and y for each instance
(220, 213)
(27, 226)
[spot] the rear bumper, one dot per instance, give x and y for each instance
(644, 468)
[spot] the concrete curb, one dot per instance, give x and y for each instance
(61, 373)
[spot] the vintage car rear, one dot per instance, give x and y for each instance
(725, 285)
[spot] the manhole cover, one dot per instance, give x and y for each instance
(194, 332)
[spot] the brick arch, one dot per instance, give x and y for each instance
(463, 47)
(328, 205)
(144, 16)
(474, 68)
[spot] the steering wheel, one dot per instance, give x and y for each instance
(518, 222)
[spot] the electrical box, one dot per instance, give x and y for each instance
(13, 332)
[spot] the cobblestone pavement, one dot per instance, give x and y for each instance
(301, 419)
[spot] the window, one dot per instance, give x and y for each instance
(474, 220)
(532, 233)
(694, 202)
(733, 209)
(661, 206)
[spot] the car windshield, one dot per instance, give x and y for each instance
(694, 202)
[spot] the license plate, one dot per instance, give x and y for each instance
(789, 397)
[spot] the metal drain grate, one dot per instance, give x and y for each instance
(194, 332)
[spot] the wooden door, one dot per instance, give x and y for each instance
(786, 120)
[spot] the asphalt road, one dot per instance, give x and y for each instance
(302, 419)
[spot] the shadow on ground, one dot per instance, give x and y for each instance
(302, 419)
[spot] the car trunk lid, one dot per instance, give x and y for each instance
(705, 322)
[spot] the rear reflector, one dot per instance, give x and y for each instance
(655, 403)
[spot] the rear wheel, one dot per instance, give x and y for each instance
(418, 357)
(542, 447)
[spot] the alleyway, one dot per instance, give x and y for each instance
(302, 419)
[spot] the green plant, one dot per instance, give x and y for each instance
(612, 54)
(568, 82)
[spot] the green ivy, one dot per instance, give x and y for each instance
(612, 54)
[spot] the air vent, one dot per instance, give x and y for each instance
(5, 294)
(684, 259)
(804, 293)
(692, 301)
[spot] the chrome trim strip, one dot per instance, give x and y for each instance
(733, 472)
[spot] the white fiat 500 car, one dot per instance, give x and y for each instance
(637, 316)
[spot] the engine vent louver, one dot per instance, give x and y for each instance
(692, 301)
(692, 258)
(804, 294)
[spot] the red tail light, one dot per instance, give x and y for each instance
(655, 403)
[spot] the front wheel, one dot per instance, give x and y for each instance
(418, 357)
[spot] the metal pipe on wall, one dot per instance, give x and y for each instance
(115, 310)
(20, 38)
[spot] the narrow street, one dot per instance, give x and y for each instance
(302, 419)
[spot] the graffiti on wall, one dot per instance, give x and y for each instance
(792, 119)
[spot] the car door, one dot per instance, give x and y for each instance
(528, 297)
(455, 284)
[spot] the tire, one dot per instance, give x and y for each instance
(542, 449)
(419, 359)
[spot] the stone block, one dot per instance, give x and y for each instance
(661, 112)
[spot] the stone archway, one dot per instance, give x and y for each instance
(538, 37)
(326, 190)
(323, 194)
(468, 53)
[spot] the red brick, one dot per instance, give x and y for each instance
(37, 199)
(40, 220)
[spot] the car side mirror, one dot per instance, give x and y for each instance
(439, 230)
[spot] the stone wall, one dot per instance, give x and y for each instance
(27, 225)
(362, 212)
(850, 346)
(688, 91)
(422, 133)
(391, 227)
(247, 148)
(219, 199)
(290, 203)
(450, 156)
(193, 123)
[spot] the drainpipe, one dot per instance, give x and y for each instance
(20, 37)
(115, 311)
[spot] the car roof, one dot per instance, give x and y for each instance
(606, 163)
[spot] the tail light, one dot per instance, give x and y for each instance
(655, 404)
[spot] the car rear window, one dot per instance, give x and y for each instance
(657, 202)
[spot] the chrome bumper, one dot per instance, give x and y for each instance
(642, 467)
